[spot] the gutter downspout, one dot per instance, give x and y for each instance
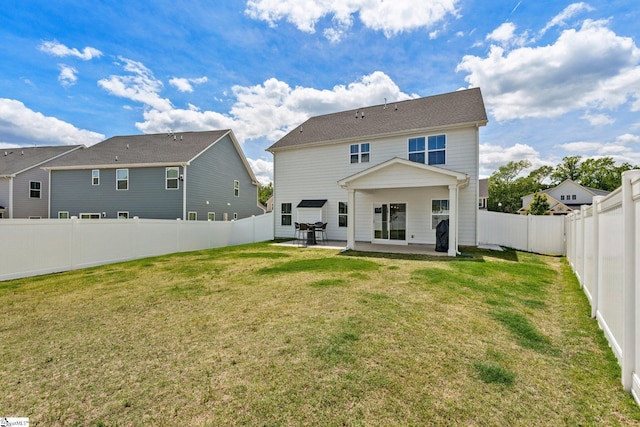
(184, 192)
(49, 196)
(11, 197)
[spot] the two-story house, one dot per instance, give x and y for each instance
(24, 186)
(384, 174)
(186, 175)
(564, 198)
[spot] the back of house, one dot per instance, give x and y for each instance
(386, 174)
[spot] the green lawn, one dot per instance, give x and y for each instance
(266, 335)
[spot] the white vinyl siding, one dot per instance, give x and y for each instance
(292, 165)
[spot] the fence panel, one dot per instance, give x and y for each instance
(53, 245)
(531, 233)
(602, 248)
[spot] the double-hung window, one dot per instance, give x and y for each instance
(429, 150)
(286, 214)
(122, 179)
(95, 177)
(439, 212)
(342, 214)
(35, 189)
(359, 153)
(172, 176)
(236, 188)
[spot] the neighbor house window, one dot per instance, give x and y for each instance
(211, 216)
(90, 216)
(95, 177)
(236, 188)
(562, 197)
(429, 150)
(359, 153)
(171, 178)
(342, 214)
(63, 214)
(235, 215)
(122, 179)
(439, 212)
(123, 215)
(35, 188)
(286, 214)
(192, 216)
(573, 197)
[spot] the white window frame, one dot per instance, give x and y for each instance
(190, 214)
(288, 214)
(176, 179)
(89, 215)
(95, 177)
(360, 153)
(211, 216)
(123, 215)
(343, 215)
(38, 190)
(439, 213)
(61, 214)
(236, 188)
(126, 180)
(436, 150)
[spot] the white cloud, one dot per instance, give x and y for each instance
(58, 49)
(493, 156)
(598, 119)
(392, 17)
(622, 149)
(505, 35)
(18, 123)
(586, 68)
(186, 85)
(140, 86)
(68, 75)
(568, 13)
(263, 169)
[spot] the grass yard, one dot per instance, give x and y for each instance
(268, 336)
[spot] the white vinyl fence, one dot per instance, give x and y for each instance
(602, 242)
(541, 234)
(43, 246)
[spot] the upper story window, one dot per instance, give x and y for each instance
(236, 188)
(122, 179)
(95, 177)
(359, 153)
(172, 175)
(35, 189)
(429, 150)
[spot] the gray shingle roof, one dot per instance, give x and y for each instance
(464, 106)
(15, 160)
(142, 149)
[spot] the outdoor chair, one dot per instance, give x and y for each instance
(321, 228)
(302, 234)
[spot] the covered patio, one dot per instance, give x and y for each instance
(371, 247)
(396, 178)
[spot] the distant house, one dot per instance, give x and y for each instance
(483, 193)
(564, 198)
(188, 175)
(385, 174)
(24, 186)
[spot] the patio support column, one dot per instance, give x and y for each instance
(351, 219)
(453, 220)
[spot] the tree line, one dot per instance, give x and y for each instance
(508, 184)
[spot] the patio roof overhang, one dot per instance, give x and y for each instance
(403, 173)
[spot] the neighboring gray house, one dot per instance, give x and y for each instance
(185, 175)
(24, 186)
(483, 193)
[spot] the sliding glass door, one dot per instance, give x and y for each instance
(389, 222)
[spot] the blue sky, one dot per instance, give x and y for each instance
(558, 78)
